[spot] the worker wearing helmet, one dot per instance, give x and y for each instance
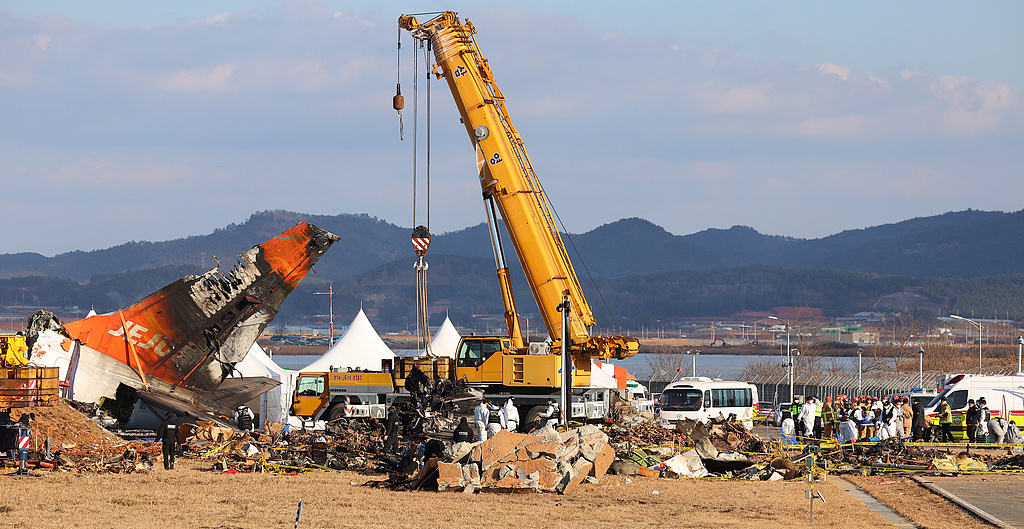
(550, 414)
(828, 418)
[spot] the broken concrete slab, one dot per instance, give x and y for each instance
(687, 465)
(603, 461)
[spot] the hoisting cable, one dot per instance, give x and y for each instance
(398, 102)
(421, 233)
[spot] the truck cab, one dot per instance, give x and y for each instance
(321, 395)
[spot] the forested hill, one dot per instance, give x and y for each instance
(739, 267)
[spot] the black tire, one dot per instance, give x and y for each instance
(336, 412)
(533, 420)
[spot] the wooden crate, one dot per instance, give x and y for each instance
(28, 386)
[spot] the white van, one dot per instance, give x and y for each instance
(702, 399)
(1002, 393)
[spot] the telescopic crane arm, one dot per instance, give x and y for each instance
(510, 185)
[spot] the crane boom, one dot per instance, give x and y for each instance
(509, 182)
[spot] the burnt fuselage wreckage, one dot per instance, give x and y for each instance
(177, 346)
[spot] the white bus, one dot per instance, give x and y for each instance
(702, 399)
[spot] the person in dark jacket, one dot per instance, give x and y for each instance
(919, 418)
(973, 417)
(417, 384)
(462, 433)
(393, 424)
(168, 433)
(433, 448)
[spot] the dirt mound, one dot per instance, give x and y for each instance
(67, 427)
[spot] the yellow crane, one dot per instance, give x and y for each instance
(511, 189)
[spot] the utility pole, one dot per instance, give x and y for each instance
(330, 315)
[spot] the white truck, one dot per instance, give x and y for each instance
(1004, 396)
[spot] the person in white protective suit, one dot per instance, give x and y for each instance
(806, 416)
(788, 427)
(480, 416)
(847, 429)
(550, 415)
(895, 425)
(495, 420)
(511, 414)
(887, 421)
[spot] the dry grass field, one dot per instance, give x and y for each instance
(192, 496)
(916, 503)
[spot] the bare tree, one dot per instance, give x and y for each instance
(763, 368)
(810, 351)
(901, 339)
(665, 366)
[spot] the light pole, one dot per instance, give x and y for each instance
(860, 372)
(956, 317)
(650, 383)
(693, 355)
(789, 357)
(1020, 346)
(920, 367)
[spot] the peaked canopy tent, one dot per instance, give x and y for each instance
(359, 348)
(274, 404)
(446, 340)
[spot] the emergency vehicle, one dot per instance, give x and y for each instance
(1003, 394)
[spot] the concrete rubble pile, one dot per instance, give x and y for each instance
(544, 460)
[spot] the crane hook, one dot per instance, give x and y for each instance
(398, 102)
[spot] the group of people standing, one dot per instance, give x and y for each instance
(491, 419)
(861, 417)
(895, 417)
(979, 423)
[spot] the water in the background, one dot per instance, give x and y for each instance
(726, 367)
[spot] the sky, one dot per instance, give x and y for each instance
(142, 120)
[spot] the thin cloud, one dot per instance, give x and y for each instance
(216, 79)
(90, 172)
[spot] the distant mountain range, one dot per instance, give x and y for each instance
(946, 260)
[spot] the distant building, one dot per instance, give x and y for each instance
(849, 334)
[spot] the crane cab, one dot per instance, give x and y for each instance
(479, 359)
(493, 360)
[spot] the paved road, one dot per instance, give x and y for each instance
(1001, 496)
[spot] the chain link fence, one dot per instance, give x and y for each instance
(775, 388)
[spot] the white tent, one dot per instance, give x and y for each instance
(274, 404)
(359, 348)
(444, 343)
(446, 340)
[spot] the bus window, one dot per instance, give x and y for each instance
(681, 400)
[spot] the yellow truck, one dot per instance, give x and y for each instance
(13, 351)
(361, 394)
